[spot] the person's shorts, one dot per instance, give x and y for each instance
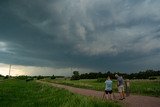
(121, 88)
(108, 91)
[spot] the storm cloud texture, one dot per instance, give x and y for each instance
(116, 35)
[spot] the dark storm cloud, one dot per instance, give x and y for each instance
(95, 34)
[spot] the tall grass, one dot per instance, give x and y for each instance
(146, 87)
(18, 93)
(140, 87)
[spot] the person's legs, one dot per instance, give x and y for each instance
(106, 94)
(110, 95)
(127, 91)
(123, 95)
(121, 92)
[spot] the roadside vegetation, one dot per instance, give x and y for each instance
(141, 87)
(142, 83)
(19, 93)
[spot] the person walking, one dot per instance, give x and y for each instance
(120, 85)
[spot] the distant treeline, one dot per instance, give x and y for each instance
(29, 78)
(148, 74)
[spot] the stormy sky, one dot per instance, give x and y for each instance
(89, 35)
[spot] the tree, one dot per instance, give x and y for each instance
(75, 75)
(53, 77)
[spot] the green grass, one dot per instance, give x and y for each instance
(84, 83)
(146, 87)
(18, 93)
(140, 87)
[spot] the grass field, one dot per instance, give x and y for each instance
(140, 87)
(19, 93)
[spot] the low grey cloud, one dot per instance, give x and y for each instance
(118, 35)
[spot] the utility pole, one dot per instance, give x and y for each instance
(10, 66)
(71, 71)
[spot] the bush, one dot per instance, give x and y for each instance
(1, 75)
(75, 77)
(53, 77)
(29, 79)
(152, 78)
(6, 77)
(40, 77)
(23, 77)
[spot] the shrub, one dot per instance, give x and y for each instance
(29, 79)
(22, 77)
(6, 77)
(40, 77)
(152, 78)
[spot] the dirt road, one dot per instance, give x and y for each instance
(131, 101)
